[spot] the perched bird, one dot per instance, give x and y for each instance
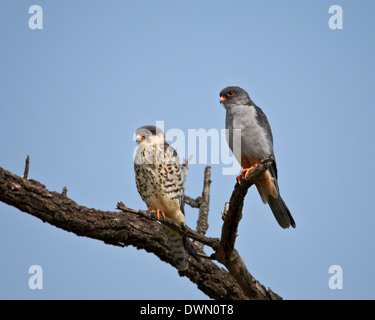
(255, 144)
(160, 183)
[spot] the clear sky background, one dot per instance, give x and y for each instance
(73, 93)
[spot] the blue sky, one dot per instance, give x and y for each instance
(73, 93)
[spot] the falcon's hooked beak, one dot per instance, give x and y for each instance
(223, 99)
(139, 138)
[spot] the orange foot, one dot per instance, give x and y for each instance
(158, 212)
(245, 171)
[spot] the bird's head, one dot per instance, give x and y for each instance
(234, 96)
(148, 134)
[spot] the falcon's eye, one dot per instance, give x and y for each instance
(229, 94)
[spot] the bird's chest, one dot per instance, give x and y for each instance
(148, 178)
(157, 183)
(245, 136)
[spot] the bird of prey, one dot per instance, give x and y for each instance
(160, 183)
(255, 144)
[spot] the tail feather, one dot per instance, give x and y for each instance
(178, 249)
(190, 248)
(281, 212)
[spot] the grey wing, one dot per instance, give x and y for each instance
(263, 122)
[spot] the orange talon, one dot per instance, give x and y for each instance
(158, 212)
(246, 172)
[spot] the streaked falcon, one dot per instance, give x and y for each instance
(256, 143)
(160, 183)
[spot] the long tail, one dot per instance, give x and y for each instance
(281, 212)
(178, 249)
(190, 248)
(269, 192)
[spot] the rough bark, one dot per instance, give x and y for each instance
(140, 229)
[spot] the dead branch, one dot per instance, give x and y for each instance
(27, 165)
(139, 229)
(233, 214)
(202, 223)
(226, 254)
(194, 203)
(183, 229)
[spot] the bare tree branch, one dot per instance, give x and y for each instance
(226, 254)
(194, 203)
(204, 206)
(202, 224)
(233, 214)
(64, 191)
(184, 230)
(226, 208)
(139, 229)
(27, 165)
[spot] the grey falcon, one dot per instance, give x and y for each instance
(160, 183)
(255, 143)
